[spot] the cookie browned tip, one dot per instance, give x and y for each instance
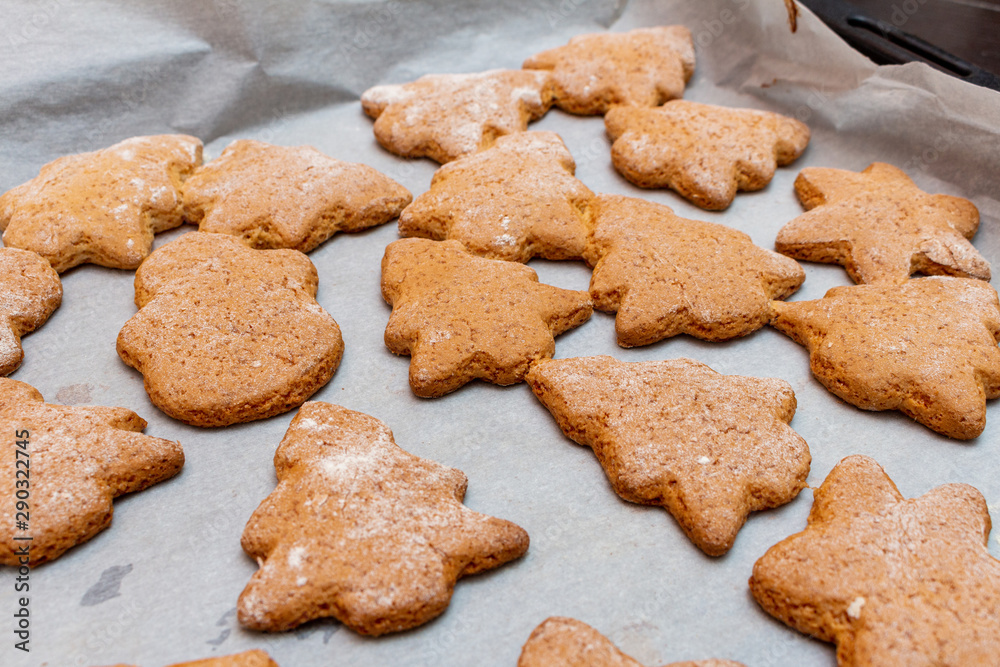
(892, 581)
(363, 531)
(30, 291)
(288, 197)
(102, 207)
(643, 67)
(445, 116)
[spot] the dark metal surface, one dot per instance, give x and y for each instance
(960, 37)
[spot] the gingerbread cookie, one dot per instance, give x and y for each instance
(703, 152)
(567, 642)
(228, 334)
(363, 531)
(288, 197)
(881, 227)
(462, 317)
(254, 658)
(30, 291)
(709, 448)
(891, 581)
(666, 275)
(515, 200)
(644, 67)
(102, 207)
(446, 116)
(73, 461)
(927, 348)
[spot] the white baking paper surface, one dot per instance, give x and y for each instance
(160, 585)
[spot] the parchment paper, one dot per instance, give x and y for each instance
(160, 585)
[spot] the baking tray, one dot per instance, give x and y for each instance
(160, 586)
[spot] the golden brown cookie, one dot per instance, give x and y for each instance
(254, 658)
(666, 275)
(515, 200)
(643, 67)
(446, 116)
(462, 317)
(927, 348)
(363, 531)
(703, 152)
(288, 197)
(881, 227)
(228, 334)
(891, 581)
(102, 207)
(30, 291)
(709, 448)
(66, 464)
(567, 642)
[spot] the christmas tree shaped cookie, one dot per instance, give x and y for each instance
(644, 67)
(709, 448)
(514, 201)
(288, 197)
(666, 275)
(67, 464)
(102, 207)
(446, 116)
(363, 531)
(703, 152)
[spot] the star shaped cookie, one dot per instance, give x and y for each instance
(363, 531)
(288, 197)
(446, 116)
(228, 334)
(705, 153)
(567, 642)
(891, 581)
(515, 200)
(462, 317)
(30, 291)
(102, 207)
(709, 448)
(667, 275)
(927, 348)
(72, 461)
(881, 227)
(644, 67)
